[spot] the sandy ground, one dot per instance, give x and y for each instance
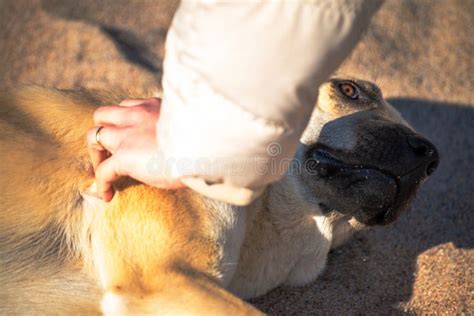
(420, 52)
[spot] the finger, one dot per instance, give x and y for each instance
(106, 174)
(135, 102)
(112, 115)
(129, 112)
(110, 138)
(131, 102)
(171, 185)
(97, 155)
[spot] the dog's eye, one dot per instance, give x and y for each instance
(349, 90)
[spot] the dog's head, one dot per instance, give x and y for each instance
(360, 157)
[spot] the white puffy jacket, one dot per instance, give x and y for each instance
(240, 82)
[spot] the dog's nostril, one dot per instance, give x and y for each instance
(431, 167)
(420, 145)
(425, 151)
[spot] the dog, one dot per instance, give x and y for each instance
(154, 251)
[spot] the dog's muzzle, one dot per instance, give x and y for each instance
(374, 190)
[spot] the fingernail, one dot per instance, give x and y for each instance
(108, 196)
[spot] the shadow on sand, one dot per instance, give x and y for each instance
(133, 43)
(375, 271)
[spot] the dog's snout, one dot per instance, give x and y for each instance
(425, 151)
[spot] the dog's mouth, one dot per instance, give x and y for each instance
(370, 194)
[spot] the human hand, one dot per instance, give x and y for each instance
(128, 142)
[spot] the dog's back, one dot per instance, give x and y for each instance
(40, 207)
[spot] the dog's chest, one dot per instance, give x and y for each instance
(258, 249)
(280, 250)
(227, 229)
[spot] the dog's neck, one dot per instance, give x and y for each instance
(289, 197)
(290, 204)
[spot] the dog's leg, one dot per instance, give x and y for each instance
(343, 231)
(184, 294)
(158, 258)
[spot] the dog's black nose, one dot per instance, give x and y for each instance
(425, 151)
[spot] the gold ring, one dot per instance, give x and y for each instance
(97, 137)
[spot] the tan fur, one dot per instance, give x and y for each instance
(150, 248)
